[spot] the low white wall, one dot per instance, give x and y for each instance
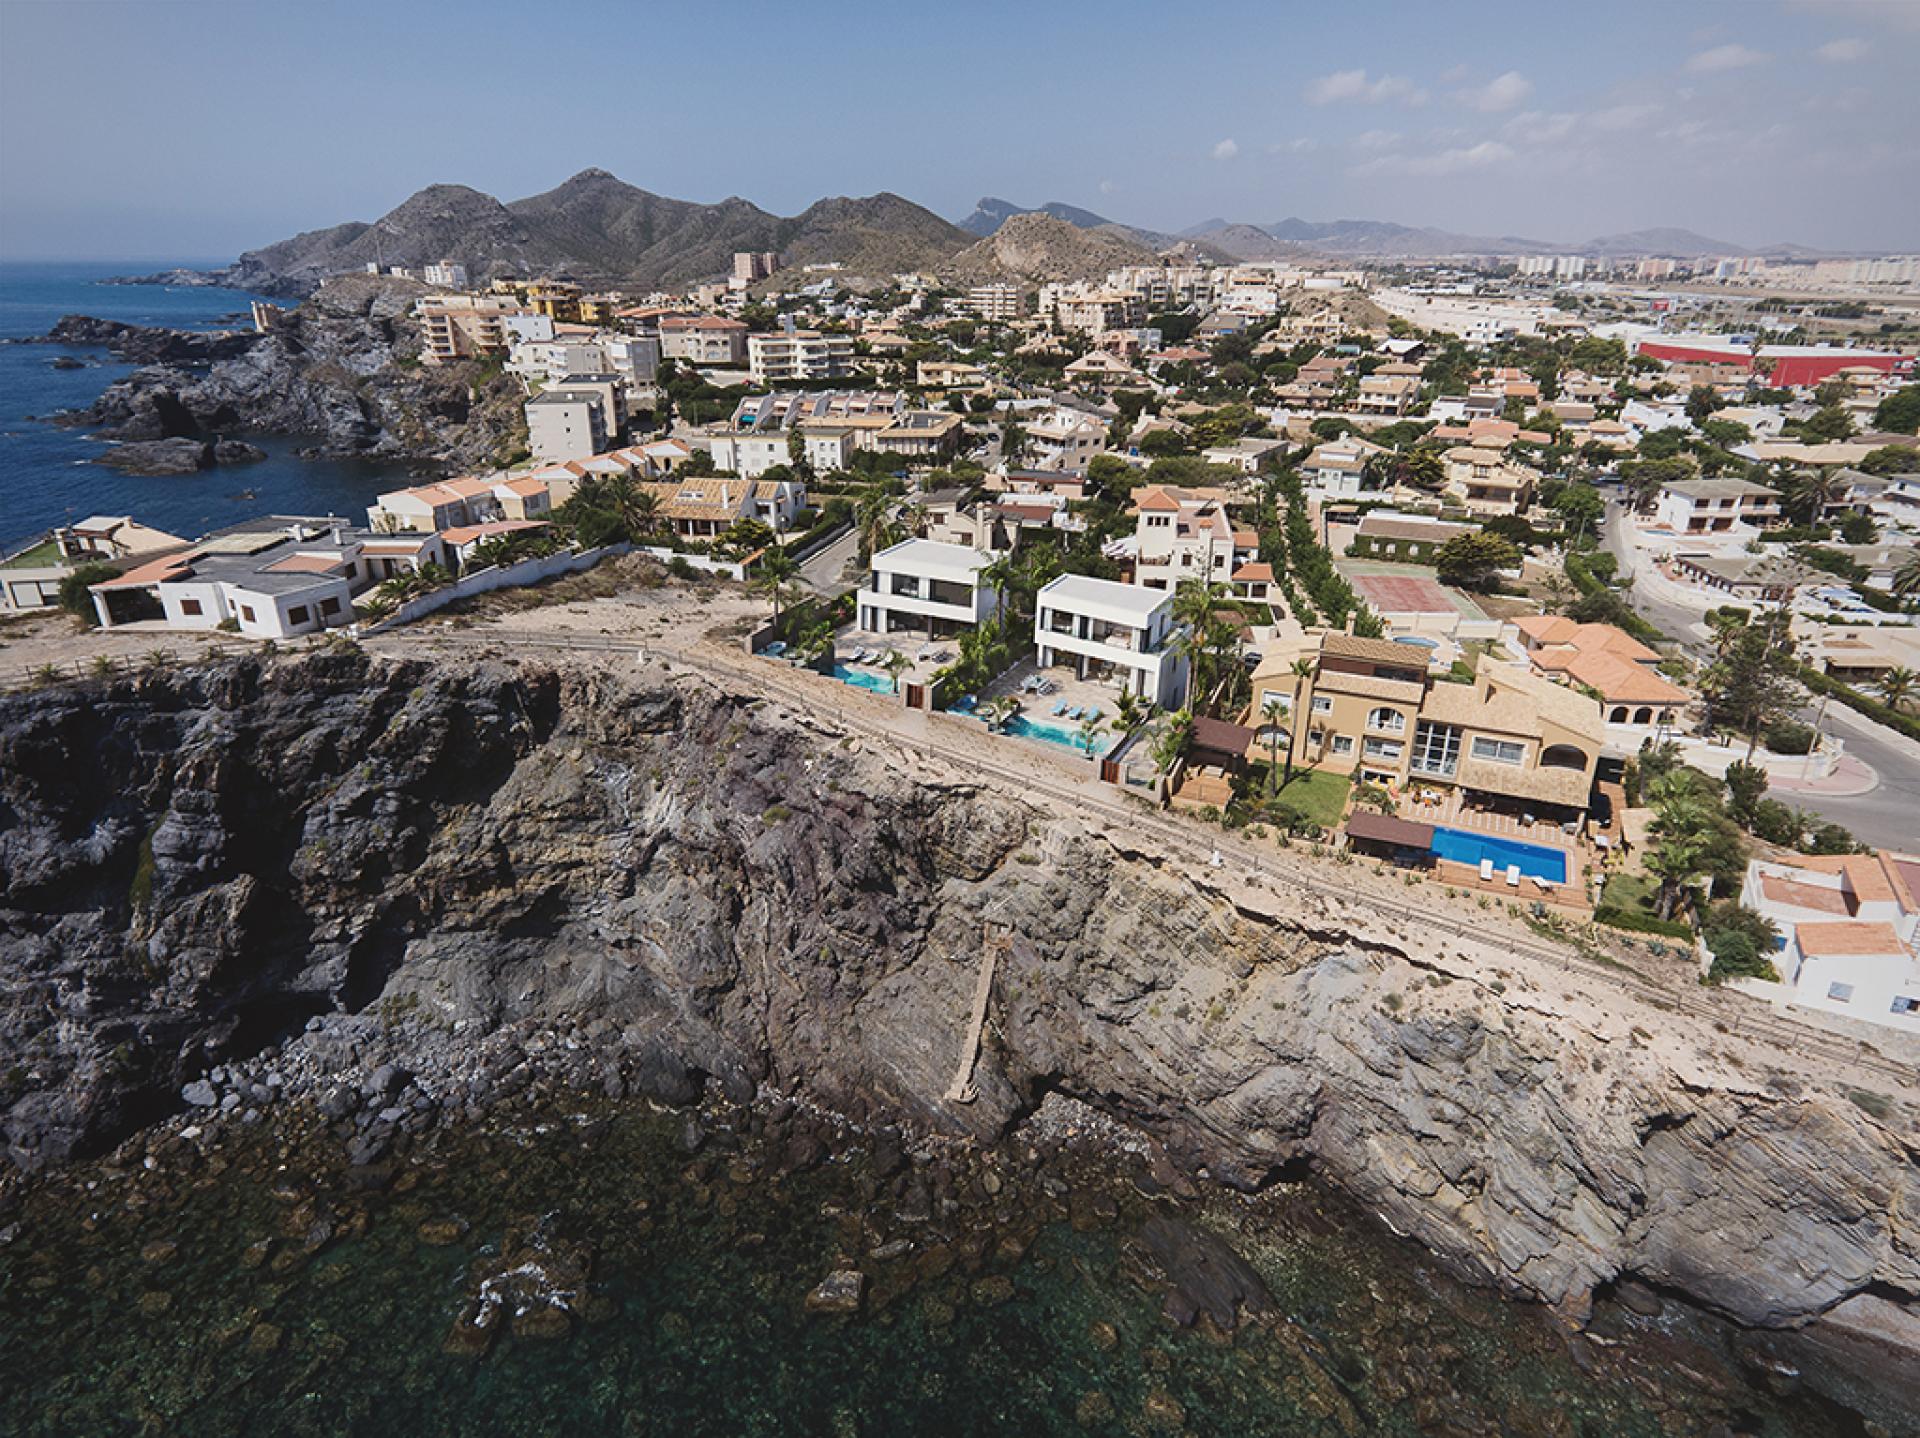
(484, 581)
(727, 568)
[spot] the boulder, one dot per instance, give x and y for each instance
(839, 1292)
(159, 456)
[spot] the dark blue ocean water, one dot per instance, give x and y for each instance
(47, 476)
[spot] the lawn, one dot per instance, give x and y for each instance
(1635, 893)
(45, 553)
(1316, 796)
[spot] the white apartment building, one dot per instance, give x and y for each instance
(1848, 928)
(1061, 438)
(1714, 506)
(1104, 630)
(796, 354)
(925, 586)
(566, 424)
(446, 274)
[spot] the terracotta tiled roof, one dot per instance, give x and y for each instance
(1823, 939)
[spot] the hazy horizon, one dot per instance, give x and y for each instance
(208, 127)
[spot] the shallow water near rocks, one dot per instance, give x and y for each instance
(260, 1286)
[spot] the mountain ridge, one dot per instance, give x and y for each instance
(596, 227)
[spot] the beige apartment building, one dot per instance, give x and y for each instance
(1095, 314)
(1510, 738)
(704, 340)
(996, 302)
(461, 327)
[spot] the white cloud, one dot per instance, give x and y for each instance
(1540, 128)
(1622, 117)
(1502, 92)
(1354, 85)
(1723, 57)
(1843, 51)
(1301, 146)
(1376, 140)
(1226, 149)
(1444, 162)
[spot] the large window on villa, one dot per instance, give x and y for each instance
(1499, 751)
(1563, 756)
(1436, 749)
(1384, 748)
(1322, 704)
(1343, 743)
(1387, 721)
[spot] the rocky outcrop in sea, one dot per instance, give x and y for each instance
(405, 890)
(342, 369)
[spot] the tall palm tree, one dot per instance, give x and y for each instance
(896, 664)
(1302, 672)
(1897, 687)
(772, 575)
(1673, 861)
(1272, 713)
(1002, 573)
(1811, 493)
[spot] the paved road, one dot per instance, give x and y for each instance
(826, 572)
(1684, 623)
(1889, 814)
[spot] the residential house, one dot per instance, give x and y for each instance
(1118, 632)
(1714, 506)
(1062, 438)
(950, 375)
(923, 585)
(1101, 368)
(447, 503)
(1487, 482)
(1761, 579)
(1246, 454)
(1384, 394)
(922, 436)
(1848, 925)
(270, 578)
(1187, 534)
(706, 506)
(1608, 663)
(1337, 469)
(1508, 738)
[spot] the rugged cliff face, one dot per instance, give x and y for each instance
(192, 865)
(340, 368)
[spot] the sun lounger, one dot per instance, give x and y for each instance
(775, 649)
(1486, 868)
(1059, 708)
(1546, 885)
(1093, 714)
(1074, 713)
(1513, 876)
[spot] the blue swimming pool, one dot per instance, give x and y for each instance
(1536, 861)
(1022, 727)
(861, 679)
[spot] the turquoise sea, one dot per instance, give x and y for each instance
(46, 474)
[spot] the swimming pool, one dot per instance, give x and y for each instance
(1022, 727)
(861, 679)
(1463, 846)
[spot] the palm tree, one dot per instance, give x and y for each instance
(1897, 687)
(874, 519)
(1906, 579)
(1272, 712)
(1811, 493)
(1002, 573)
(1302, 672)
(896, 664)
(1089, 732)
(771, 576)
(1673, 861)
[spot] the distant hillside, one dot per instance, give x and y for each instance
(1034, 248)
(1383, 239)
(990, 214)
(599, 229)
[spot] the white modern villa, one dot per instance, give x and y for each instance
(1848, 925)
(1105, 630)
(924, 585)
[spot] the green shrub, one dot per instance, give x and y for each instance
(1616, 918)
(1789, 736)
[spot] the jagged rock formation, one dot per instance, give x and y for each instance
(597, 228)
(193, 864)
(340, 367)
(1036, 248)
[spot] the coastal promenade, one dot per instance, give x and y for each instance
(1295, 885)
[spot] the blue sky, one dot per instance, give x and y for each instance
(176, 128)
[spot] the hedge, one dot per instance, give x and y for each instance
(1615, 918)
(1825, 684)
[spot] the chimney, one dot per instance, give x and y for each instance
(1351, 618)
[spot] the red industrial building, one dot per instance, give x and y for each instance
(1785, 366)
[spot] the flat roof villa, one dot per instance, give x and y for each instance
(1106, 630)
(1848, 926)
(1713, 506)
(924, 585)
(272, 578)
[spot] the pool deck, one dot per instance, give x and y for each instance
(1451, 812)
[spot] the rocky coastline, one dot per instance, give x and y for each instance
(395, 896)
(341, 369)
